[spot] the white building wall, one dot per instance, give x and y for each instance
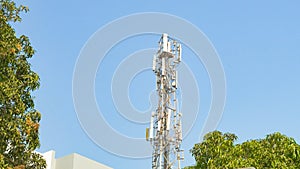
(73, 161)
(50, 159)
(81, 162)
(65, 162)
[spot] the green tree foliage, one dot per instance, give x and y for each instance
(218, 151)
(19, 121)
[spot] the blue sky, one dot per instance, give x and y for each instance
(257, 42)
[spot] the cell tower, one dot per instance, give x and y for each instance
(165, 133)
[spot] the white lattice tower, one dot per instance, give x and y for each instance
(165, 132)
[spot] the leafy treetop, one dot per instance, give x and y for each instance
(19, 121)
(218, 150)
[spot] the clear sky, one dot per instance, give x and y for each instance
(257, 42)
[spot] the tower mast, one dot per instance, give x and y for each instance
(165, 133)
